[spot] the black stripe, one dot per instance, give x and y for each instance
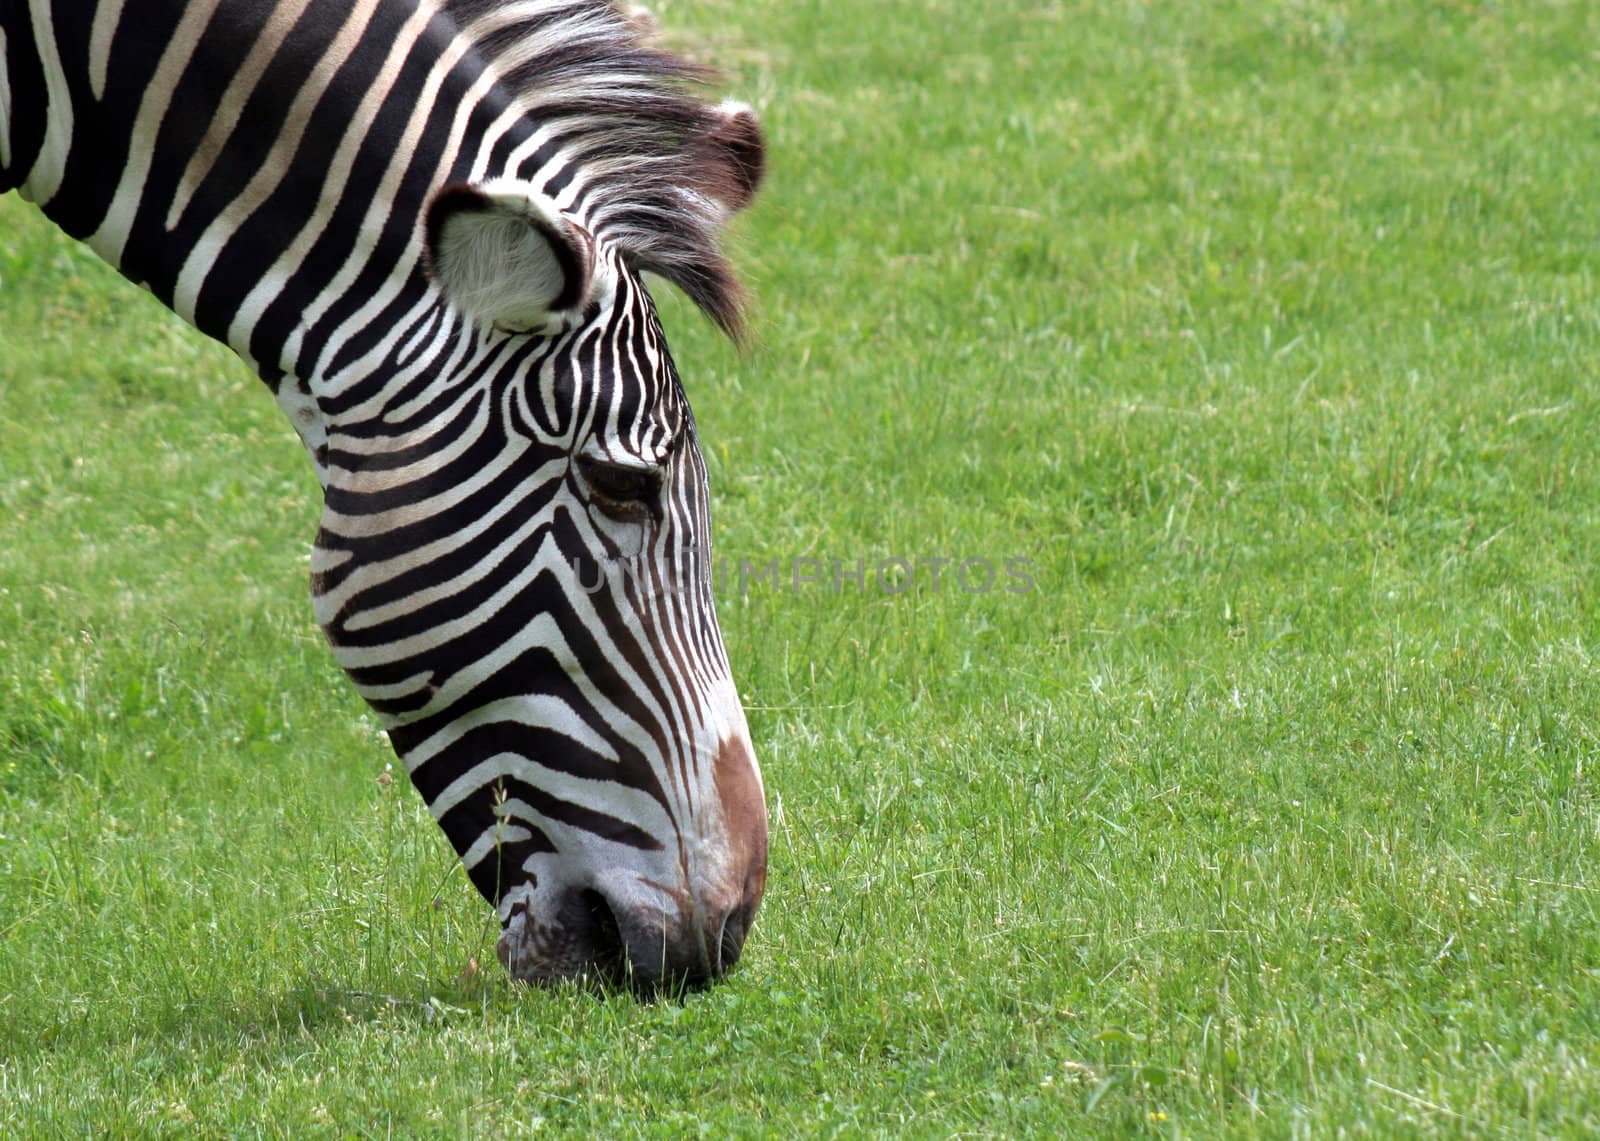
(259, 240)
(382, 137)
(26, 95)
(461, 561)
(473, 810)
(102, 131)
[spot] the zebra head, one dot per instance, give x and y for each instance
(514, 568)
(424, 224)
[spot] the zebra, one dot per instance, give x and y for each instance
(425, 224)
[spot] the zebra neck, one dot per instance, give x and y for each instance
(258, 167)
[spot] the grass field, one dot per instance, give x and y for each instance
(1267, 331)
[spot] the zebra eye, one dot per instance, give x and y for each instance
(621, 490)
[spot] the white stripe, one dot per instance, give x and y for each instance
(226, 117)
(607, 798)
(41, 183)
(105, 27)
(372, 575)
(542, 631)
(338, 288)
(272, 283)
(497, 130)
(274, 167)
(393, 691)
(5, 105)
(491, 839)
(538, 709)
(110, 241)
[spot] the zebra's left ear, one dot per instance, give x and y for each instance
(505, 255)
(734, 156)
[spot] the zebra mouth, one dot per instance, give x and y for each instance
(583, 943)
(598, 941)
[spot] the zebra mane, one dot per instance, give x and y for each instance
(663, 170)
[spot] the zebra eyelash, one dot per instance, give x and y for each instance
(620, 489)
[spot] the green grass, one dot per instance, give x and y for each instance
(1268, 331)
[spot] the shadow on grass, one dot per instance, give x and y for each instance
(316, 1010)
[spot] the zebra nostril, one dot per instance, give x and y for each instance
(654, 963)
(603, 928)
(607, 949)
(664, 955)
(649, 948)
(730, 942)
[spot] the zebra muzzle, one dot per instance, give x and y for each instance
(600, 937)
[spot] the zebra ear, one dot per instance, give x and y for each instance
(735, 156)
(506, 257)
